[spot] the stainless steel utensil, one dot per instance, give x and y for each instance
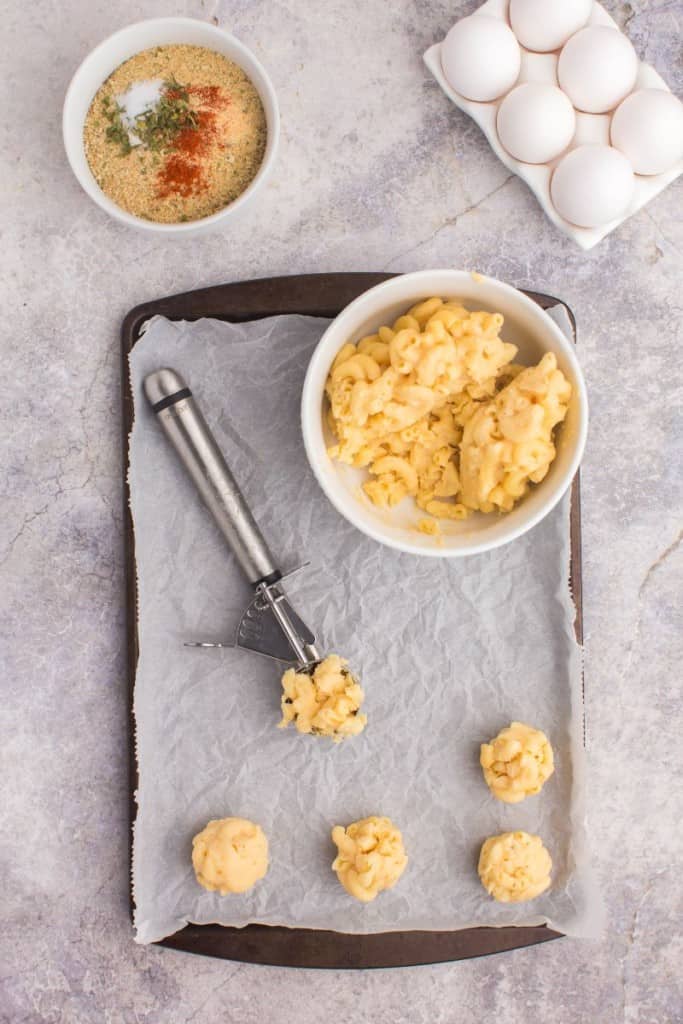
(269, 626)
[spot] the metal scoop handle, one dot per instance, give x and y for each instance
(188, 432)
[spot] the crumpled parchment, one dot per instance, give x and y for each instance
(448, 652)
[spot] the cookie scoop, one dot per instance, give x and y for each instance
(269, 626)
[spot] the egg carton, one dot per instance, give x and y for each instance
(590, 128)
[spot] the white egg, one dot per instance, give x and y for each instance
(536, 122)
(544, 25)
(597, 68)
(648, 129)
(480, 58)
(592, 186)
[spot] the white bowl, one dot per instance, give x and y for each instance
(528, 327)
(111, 53)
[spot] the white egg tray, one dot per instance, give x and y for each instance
(590, 128)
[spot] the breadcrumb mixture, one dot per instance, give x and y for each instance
(198, 174)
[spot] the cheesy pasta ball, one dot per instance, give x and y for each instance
(325, 702)
(229, 855)
(517, 762)
(370, 857)
(514, 867)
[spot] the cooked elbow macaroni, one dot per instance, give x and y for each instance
(507, 442)
(325, 702)
(436, 410)
(517, 762)
(430, 527)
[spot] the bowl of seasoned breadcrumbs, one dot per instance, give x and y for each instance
(171, 126)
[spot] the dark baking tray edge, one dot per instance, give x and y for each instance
(320, 295)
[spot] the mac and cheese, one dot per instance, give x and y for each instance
(325, 702)
(370, 857)
(230, 855)
(517, 762)
(435, 408)
(514, 867)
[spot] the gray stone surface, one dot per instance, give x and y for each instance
(376, 170)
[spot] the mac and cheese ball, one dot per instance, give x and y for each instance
(370, 857)
(514, 867)
(507, 442)
(325, 702)
(230, 855)
(517, 762)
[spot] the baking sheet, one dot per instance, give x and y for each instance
(448, 652)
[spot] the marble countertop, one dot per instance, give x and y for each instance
(376, 171)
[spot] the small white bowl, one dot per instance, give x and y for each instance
(528, 327)
(105, 58)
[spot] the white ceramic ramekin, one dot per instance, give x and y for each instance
(106, 57)
(528, 327)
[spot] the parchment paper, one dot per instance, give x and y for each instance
(449, 651)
